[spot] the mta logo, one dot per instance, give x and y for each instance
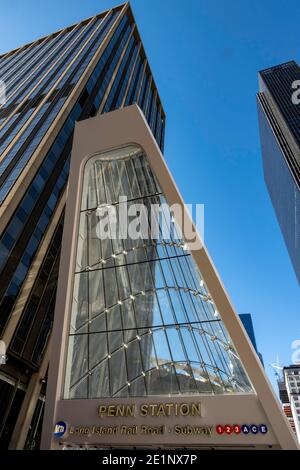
(60, 429)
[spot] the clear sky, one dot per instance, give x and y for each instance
(205, 56)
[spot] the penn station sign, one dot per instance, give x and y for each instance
(162, 421)
(143, 410)
(150, 409)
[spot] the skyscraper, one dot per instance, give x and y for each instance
(279, 125)
(289, 392)
(248, 325)
(292, 381)
(89, 68)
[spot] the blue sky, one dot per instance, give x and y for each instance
(205, 56)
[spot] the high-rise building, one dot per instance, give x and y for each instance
(284, 398)
(279, 125)
(248, 325)
(289, 393)
(88, 68)
(292, 381)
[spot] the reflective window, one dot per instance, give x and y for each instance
(142, 320)
(42, 196)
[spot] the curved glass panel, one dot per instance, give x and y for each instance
(143, 322)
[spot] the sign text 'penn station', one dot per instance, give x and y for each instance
(149, 409)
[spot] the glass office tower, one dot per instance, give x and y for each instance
(279, 124)
(248, 325)
(92, 67)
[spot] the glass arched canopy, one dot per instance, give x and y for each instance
(142, 320)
